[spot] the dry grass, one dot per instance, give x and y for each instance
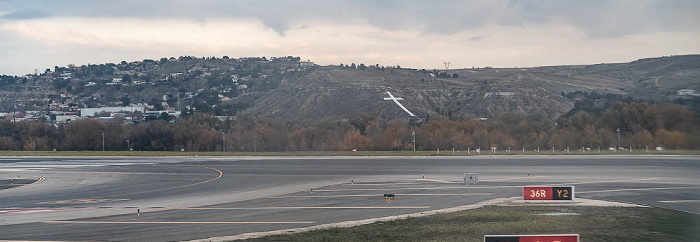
(593, 224)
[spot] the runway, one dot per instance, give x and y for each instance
(184, 198)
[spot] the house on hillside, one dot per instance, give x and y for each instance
(307, 63)
(90, 112)
(688, 92)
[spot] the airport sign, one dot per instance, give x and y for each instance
(532, 238)
(548, 193)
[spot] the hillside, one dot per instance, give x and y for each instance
(334, 93)
(290, 89)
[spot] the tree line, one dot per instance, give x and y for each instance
(635, 124)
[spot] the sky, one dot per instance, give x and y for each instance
(41, 34)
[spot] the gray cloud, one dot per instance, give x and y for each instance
(601, 18)
(25, 14)
(598, 18)
(478, 37)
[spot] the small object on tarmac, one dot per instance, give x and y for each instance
(138, 212)
(389, 197)
(423, 176)
(352, 181)
(312, 190)
(528, 173)
(470, 178)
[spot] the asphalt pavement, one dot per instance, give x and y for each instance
(183, 198)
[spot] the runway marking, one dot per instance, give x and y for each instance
(173, 222)
(264, 208)
(460, 182)
(397, 194)
(595, 182)
(637, 189)
(514, 178)
(389, 183)
(437, 181)
(409, 188)
(449, 188)
(221, 174)
(15, 186)
(680, 201)
(83, 201)
(420, 188)
(443, 194)
(27, 211)
(12, 185)
(354, 189)
(373, 195)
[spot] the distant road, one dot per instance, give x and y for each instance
(182, 198)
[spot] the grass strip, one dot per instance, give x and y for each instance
(591, 223)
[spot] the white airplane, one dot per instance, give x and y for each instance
(396, 100)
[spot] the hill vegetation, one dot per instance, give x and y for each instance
(285, 104)
(289, 89)
(641, 126)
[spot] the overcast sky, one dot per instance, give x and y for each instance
(418, 34)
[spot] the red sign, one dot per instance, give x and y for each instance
(549, 238)
(532, 238)
(537, 193)
(548, 193)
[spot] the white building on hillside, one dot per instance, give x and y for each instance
(91, 112)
